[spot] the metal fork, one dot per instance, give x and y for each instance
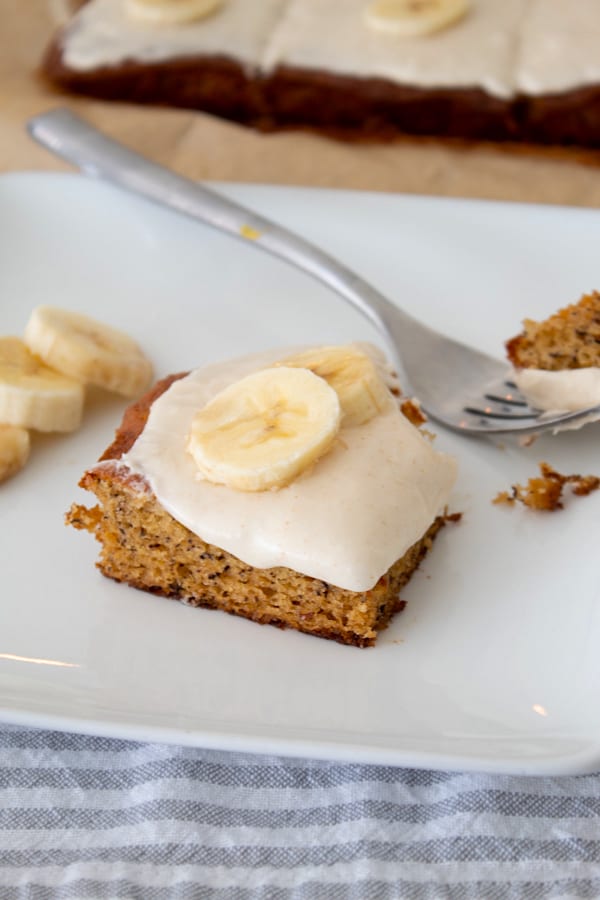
(457, 386)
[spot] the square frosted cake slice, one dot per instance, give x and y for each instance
(327, 552)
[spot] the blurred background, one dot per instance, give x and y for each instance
(205, 147)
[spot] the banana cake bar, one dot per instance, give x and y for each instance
(288, 489)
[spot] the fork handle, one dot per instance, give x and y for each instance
(73, 139)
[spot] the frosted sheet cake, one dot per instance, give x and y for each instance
(519, 70)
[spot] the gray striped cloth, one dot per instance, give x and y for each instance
(89, 817)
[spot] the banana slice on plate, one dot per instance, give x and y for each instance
(354, 377)
(14, 450)
(262, 431)
(414, 18)
(171, 12)
(33, 395)
(87, 350)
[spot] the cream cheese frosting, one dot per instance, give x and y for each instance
(344, 521)
(561, 391)
(102, 33)
(558, 46)
(479, 51)
(504, 47)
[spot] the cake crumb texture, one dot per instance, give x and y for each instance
(545, 492)
(569, 339)
(143, 546)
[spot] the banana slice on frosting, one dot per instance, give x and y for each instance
(354, 377)
(262, 431)
(14, 450)
(33, 395)
(170, 12)
(87, 350)
(414, 18)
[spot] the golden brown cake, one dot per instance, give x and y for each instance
(545, 491)
(569, 339)
(146, 547)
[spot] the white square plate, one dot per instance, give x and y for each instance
(494, 664)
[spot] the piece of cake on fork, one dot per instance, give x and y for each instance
(557, 360)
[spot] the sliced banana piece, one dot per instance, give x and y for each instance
(170, 12)
(353, 375)
(33, 395)
(262, 431)
(14, 450)
(90, 351)
(414, 18)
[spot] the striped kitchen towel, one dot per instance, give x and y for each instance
(90, 817)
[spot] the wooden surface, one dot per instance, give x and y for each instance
(203, 147)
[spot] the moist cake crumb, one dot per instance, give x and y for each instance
(545, 491)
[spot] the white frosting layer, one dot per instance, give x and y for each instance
(558, 46)
(501, 46)
(103, 33)
(565, 391)
(478, 51)
(345, 521)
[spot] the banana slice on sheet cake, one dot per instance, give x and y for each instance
(414, 18)
(171, 12)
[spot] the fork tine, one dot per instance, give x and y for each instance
(502, 401)
(506, 401)
(489, 413)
